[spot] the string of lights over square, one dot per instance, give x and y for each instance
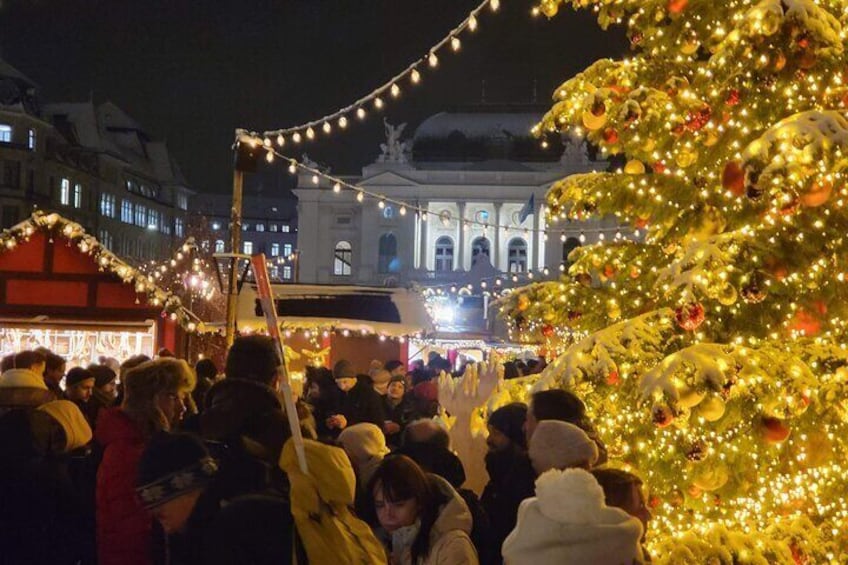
(376, 99)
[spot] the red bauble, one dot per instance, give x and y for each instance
(690, 316)
(733, 178)
(733, 97)
(613, 379)
(610, 136)
(659, 167)
(677, 6)
(547, 330)
(774, 429)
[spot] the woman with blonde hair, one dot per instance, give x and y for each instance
(156, 394)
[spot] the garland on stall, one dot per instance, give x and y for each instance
(53, 224)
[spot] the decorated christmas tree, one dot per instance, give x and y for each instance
(713, 351)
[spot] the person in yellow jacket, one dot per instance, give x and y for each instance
(320, 504)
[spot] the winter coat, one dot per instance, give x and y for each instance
(41, 513)
(511, 480)
(21, 388)
(362, 404)
(124, 527)
(568, 523)
(401, 414)
(449, 540)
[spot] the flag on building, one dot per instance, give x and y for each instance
(528, 209)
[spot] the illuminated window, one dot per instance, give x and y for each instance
(5, 133)
(247, 248)
(219, 246)
(517, 255)
(275, 249)
(342, 259)
(65, 192)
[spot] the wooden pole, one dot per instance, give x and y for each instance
(235, 242)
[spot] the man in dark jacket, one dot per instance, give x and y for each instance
(209, 516)
(358, 403)
(511, 475)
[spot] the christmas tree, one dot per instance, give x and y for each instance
(713, 351)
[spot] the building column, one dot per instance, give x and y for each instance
(461, 237)
(543, 245)
(496, 248)
(422, 242)
(537, 237)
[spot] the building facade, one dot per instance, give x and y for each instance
(269, 226)
(93, 164)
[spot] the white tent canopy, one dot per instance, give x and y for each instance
(393, 312)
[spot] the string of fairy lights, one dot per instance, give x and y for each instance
(376, 99)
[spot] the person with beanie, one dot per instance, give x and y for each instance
(358, 401)
(43, 519)
(395, 368)
(103, 395)
(154, 396)
(365, 445)
(398, 408)
(178, 483)
(560, 445)
(568, 523)
(565, 406)
(511, 475)
(79, 386)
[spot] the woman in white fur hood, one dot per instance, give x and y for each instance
(568, 523)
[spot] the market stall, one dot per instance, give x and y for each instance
(61, 289)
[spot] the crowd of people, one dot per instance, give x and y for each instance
(153, 461)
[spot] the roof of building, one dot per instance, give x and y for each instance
(17, 91)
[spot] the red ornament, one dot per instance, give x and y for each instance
(677, 6)
(659, 167)
(733, 97)
(547, 330)
(611, 136)
(733, 178)
(697, 120)
(640, 223)
(613, 379)
(662, 416)
(774, 429)
(690, 316)
(653, 501)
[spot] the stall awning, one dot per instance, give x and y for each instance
(373, 310)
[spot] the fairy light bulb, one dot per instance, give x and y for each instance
(337, 188)
(342, 122)
(601, 236)
(292, 167)
(456, 44)
(395, 90)
(582, 237)
(327, 127)
(378, 102)
(381, 204)
(296, 137)
(415, 76)
(472, 22)
(315, 179)
(266, 142)
(310, 133)
(360, 197)
(402, 211)
(495, 5)
(269, 156)
(360, 113)
(433, 60)
(562, 238)
(281, 140)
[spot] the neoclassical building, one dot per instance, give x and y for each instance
(475, 171)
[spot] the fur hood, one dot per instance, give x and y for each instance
(21, 378)
(568, 523)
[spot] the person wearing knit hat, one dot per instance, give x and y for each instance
(560, 445)
(365, 444)
(178, 482)
(511, 475)
(358, 401)
(380, 380)
(568, 523)
(505, 425)
(79, 385)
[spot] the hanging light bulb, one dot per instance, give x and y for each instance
(381, 204)
(360, 197)
(360, 113)
(601, 236)
(281, 140)
(415, 76)
(266, 142)
(269, 156)
(433, 60)
(327, 127)
(495, 5)
(296, 137)
(378, 102)
(472, 22)
(342, 122)
(617, 235)
(424, 216)
(395, 90)
(315, 179)
(402, 211)
(455, 43)
(293, 167)
(337, 188)
(636, 233)
(310, 133)
(562, 238)
(582, 237)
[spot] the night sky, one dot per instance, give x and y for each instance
(191, 72)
